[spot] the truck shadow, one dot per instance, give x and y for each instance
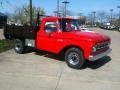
(89, 64)
(49, 55)
(97, 64)
(43, 53)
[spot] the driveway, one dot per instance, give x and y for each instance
(42, 71)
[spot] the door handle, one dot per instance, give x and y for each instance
(50, 35)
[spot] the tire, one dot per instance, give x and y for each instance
(119, 29)
(74, 58)
(19, 46)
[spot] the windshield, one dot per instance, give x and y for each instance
(69, 25)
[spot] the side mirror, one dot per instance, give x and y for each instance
(49, 32)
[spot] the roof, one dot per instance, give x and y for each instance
(55, 18)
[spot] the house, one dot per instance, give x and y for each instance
(3, 20)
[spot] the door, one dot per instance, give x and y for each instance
(48, 40)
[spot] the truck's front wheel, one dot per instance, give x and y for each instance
(74, 58)
(19, 46)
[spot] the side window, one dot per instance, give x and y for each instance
(71, 26)
(50, 27)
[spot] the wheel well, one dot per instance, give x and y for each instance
(62, 52)
(22, 39)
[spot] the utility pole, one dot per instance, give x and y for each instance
(119, 11)
(55, 13)
(65, 2)
(93, 21)
(58, 8)
(31, 20)
(111, 10)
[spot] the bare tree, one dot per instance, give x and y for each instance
(22, 14)
(119, 11)
(94, 17)
(101, 15)
(111, 15)
(89, 18)
(82, 20)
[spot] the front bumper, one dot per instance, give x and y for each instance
(96, 57)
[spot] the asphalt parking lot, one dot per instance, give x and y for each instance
(42, 71)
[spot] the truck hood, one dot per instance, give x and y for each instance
(89, 36)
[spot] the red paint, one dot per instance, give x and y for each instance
(57, 41)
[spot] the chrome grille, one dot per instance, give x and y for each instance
(102, 45)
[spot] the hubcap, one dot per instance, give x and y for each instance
(18, 46)
(73, 58)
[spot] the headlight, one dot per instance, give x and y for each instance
(94, 49)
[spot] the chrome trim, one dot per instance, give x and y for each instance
(96, 57)
(102, 45)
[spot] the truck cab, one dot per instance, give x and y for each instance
(63, 36)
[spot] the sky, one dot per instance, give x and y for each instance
(76, 6)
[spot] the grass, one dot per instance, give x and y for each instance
(6, 45)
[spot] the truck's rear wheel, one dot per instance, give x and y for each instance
(74, 58)
(119, 29)
(19, 46)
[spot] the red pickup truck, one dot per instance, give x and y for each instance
(60, 35)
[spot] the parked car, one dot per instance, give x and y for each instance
(85, 29)
(108, 27)
(118, 28)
